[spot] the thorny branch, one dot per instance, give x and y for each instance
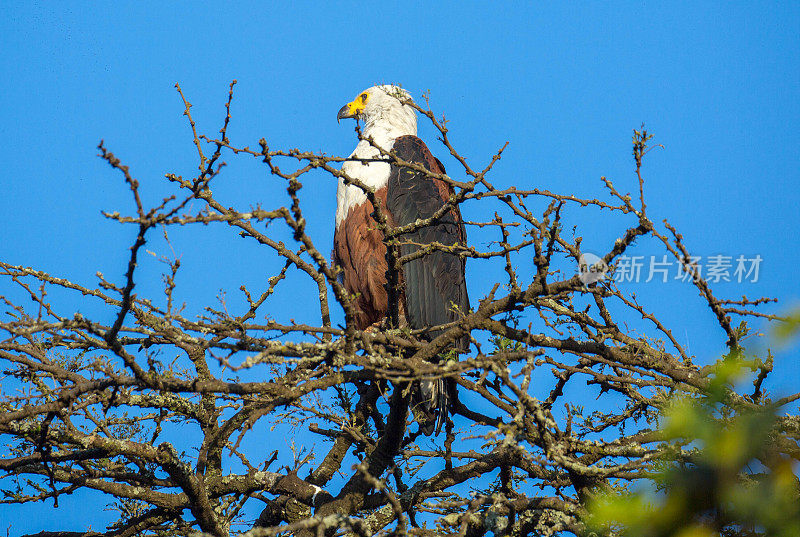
(96, 406)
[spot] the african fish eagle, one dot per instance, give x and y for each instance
(432, 288)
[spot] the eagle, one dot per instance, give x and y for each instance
(432, 288)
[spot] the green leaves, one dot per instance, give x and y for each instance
(789, 327)
(727, 475)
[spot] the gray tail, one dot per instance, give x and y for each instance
(429, 403)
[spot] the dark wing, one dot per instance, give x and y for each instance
(434, 283)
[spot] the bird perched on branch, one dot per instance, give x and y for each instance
(431, 289)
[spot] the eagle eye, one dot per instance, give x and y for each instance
(363, 97)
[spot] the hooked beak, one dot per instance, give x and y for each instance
(351, 110)
(344, 113)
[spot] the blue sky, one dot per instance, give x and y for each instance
(719, 87)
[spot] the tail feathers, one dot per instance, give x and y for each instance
(429, 403)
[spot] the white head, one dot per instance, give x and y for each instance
(384, 110)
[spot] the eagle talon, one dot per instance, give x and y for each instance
(374, 327)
